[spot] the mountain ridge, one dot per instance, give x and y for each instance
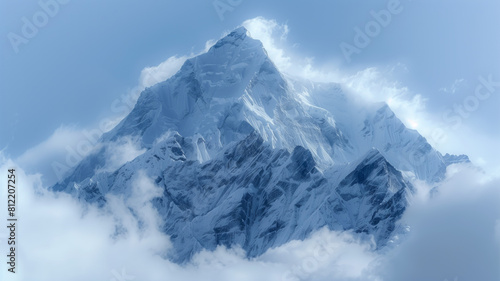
(247, 156)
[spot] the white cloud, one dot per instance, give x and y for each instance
(274, 38)
(155, 74)
(166, 69)
(54, 145)
(66, 146)
(271, 34)
(372, 85)
(453, 234)
(61, 239)
(326, 255)
(122, 151)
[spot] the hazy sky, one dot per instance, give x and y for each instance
(86, 54)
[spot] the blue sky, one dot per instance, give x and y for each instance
(91, 52)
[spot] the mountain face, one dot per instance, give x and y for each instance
(247, 156)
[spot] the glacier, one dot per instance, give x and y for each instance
(249, 156)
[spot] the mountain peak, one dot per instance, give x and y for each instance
(247, 156)
(240, 31)
(384, 111)
(373, 155)
(235, 38)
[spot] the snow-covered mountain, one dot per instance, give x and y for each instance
(246, 155)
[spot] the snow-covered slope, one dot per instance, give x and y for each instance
(248, 156)
(260, 197)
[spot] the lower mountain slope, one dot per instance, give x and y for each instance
(258, 197)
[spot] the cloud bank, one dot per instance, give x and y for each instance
(455, 235)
